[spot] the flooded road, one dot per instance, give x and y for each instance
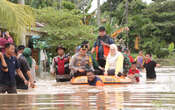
(49, 95)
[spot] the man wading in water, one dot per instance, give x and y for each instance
(7, 72)
(101, 46)
(60, 65)
(150, 66)
(25, 62)
(94, 80)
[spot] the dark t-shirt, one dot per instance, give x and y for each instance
(8, 78)
(24, 67)
(150, 69)
(106, 39)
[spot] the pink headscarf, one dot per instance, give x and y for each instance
(4, 41)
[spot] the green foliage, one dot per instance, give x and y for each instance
(64, 28)
(68, 5)
(171, 47)
(154, 23)
(43, 3)
(15, 18)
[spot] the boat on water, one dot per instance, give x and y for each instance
(107, 80)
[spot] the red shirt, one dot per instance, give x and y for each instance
(131, 59)
(133, 72)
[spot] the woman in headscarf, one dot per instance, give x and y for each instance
(27, 53)
(114, 62)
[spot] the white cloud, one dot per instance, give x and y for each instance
(147, 1)
(94, 4)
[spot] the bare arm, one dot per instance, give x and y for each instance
(4, 64)
(93, 50)
(30, 79)
(30, 76)
(21, 76)
(52, 69)
(157, 65)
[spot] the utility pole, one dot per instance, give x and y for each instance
(111, 9)
(98, 13)
(126, 7)
(21, 2)
(60, 1)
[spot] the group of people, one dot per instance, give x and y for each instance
(110, 60)
(17, 67)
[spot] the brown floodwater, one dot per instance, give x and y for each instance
(49, 95)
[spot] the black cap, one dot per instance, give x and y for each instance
(84, 47)
(21, 47)
(85, 42)
(60, 47)
(102, 28)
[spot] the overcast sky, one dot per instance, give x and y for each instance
(94, 4)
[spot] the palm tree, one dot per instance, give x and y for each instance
(15, 18)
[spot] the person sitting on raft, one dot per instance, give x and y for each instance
(134, 73)
(94, 80)
(60, 65)
(80, 62)
(114, 62)
(98, 69)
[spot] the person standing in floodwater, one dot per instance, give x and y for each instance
(7, 77)
(60, 65)
(101, 46)
(25, 62)
(140, 60)
(150, 65)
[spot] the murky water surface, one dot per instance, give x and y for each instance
(49, 95)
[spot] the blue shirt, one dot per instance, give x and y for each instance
(94, 81)
(8, 78)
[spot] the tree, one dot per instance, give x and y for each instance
(15, 17)
(64, 27)
(153, 23)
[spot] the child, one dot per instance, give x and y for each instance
(134, 72)
(140, 60)
(150, 65)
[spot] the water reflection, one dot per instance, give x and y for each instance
(49, 95)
